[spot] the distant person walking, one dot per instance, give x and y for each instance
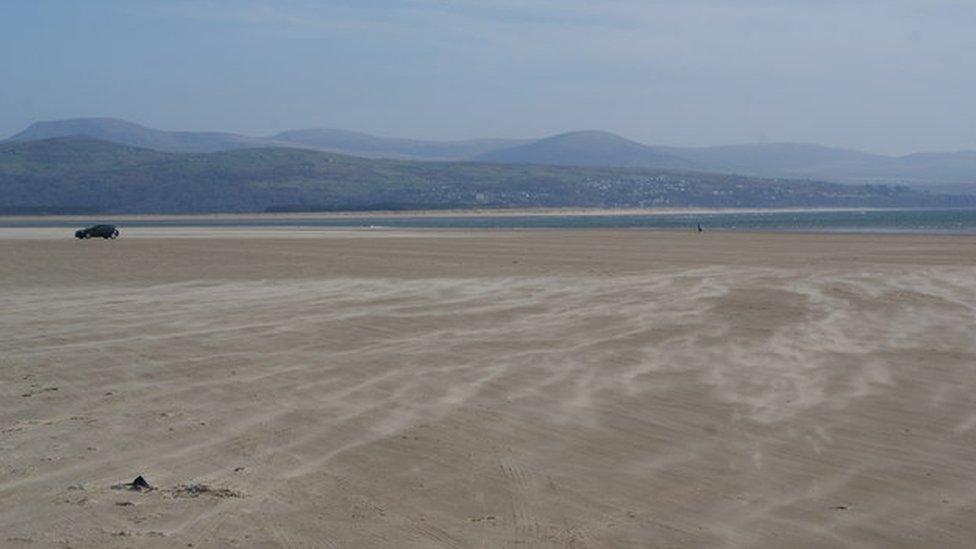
(699, 227)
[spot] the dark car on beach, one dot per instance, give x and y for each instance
(103, 231)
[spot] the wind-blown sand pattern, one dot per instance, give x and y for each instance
(503, 389)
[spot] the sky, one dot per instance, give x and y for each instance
(887, 76)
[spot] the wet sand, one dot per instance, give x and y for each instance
(356, 388)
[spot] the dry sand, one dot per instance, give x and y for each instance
(488, 389)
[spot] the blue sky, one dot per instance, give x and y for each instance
(892, 76)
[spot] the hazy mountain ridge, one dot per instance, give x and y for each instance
(325, 139)
(371, 146)
(588, 148)
(803, 160)
(84, 175)
(135, 135)
(934, 170)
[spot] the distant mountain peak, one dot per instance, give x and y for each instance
(593, 134)
(45, 129)
(123, 132)
(587, 148)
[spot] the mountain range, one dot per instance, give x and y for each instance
(936, 171)
(82, 175)
(325, 139)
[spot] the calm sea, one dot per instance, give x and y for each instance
(942, 221)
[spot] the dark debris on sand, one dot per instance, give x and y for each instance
(140, 484)
(196, 490)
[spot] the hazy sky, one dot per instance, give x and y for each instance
(880, 75)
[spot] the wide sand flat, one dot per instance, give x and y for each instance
(488, 389)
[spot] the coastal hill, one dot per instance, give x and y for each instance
(85, 175)
(953, 171)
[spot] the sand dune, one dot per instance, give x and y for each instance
(491, 389)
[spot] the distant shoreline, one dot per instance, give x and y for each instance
(517, 212)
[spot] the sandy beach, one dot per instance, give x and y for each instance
(546, 388)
